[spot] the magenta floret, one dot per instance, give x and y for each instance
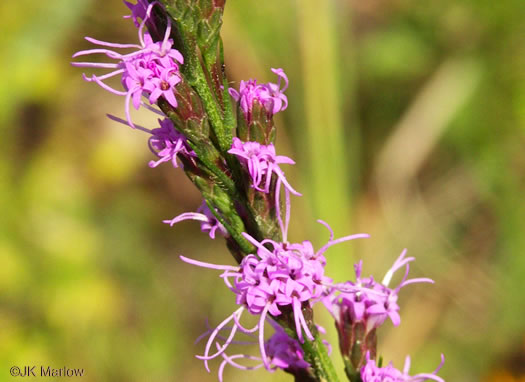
(365, 300)
(262, 163)
(270, 95)
(167, 143)
(370, 372)
(151, 70)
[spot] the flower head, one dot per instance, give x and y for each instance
(368, 301)
(151, 70)
(370, 372)
(281, 275)
(270, 96)
(285, 352)
(167, 143)
(278, 276)
(261, 162)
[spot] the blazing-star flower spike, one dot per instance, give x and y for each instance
(151, 70)
(370, 372)
(275, 281)
(269, 95)
(279, 275)
(209, 222)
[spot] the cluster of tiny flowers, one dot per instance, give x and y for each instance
(167, 143)
(269, 95)
(280, 275)
(370, 372)
(285, 352)
(368, 301)
(152, 70)
(262, 163)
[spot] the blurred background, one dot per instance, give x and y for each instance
(407, 121)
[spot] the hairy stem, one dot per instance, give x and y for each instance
(316, 354)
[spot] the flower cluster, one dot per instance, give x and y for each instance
(283, 352)
(269, 95)
(262, 163)
(151, 70)
(279, 276)
(167, 143)
(365, 300)
(370, 372)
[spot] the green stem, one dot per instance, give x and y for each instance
(229, 117)
(352, 374)
(223, 133)
(321, 364)
(244, 244)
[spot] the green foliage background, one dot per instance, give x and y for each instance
(407, 120)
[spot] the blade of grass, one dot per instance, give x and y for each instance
(327, 154)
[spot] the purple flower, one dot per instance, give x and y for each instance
(209, 222)
(261, 163)
(138, 11)
(279, 275)
(269, 95)
(163, 85)
(370, 372)
(283, 353)
(151, 70)
(368, 301)
(167, 143)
